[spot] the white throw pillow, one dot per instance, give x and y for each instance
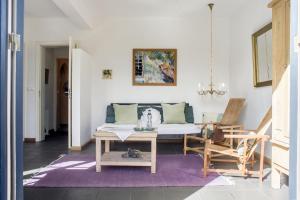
(156, 117)
(250, 143)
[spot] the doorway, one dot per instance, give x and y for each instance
(54, 93)
(62, 93)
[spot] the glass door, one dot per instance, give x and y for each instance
(11, 99)
(3, 100)
(294, 172)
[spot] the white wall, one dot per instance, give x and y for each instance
(244, 23)
(110, 46)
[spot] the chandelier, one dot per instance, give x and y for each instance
(211, 89)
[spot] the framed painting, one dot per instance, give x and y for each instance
(154, 67)
(262, 56)
(107, 74)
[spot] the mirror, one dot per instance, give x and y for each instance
(262, 56)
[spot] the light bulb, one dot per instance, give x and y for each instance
(200, 87)
(222, 87)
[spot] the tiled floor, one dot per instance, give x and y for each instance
(41, 154)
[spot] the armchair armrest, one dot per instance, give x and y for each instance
(207, 123)
(230, 126)
(237, 131)
(266, 137)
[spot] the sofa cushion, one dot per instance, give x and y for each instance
(125, 114)
(141, 109)
(174, 113)
(110, 115)
(156, 117)
(189, 115)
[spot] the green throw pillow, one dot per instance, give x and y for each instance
(126, 114)
(173, 114)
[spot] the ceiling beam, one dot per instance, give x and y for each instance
(72, 9)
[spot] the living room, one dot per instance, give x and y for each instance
(210, 59)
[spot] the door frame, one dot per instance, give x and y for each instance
(3, 101)
(294, 182)
(19, 100)
(11, 99)
(39, 72)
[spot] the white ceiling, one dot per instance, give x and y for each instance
(42, 9)
(104, 9)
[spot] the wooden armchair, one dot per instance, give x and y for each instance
(228, 122)
(244, 153)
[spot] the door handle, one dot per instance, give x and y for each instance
(68, 93)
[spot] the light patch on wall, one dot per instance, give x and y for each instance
(107, 74)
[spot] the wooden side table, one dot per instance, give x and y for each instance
(114, 158)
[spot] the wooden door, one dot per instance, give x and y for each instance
(62, 90)
(281, 39)
(281, 73)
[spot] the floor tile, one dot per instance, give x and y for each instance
(81, 193)
(148, 193)
(44, 194)
(114, 194)
(179, 193)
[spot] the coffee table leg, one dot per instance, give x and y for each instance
(98, 155)
(107, 146)
(153, 156)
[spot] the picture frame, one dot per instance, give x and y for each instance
(106, 74)
(262, 56)
(154, 67)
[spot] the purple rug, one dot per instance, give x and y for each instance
(80, 171)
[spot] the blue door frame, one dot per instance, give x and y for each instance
(19, 102)
(3, 99)
(294, 105)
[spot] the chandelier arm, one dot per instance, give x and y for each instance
(211, 44)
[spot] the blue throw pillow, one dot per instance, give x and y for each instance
(110, 114)
(189, 115)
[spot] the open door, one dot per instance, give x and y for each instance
(4, 171)
(71, 47)
(294, 162)
(81, 96)
(11, 101)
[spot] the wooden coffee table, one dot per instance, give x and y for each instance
(114, 158)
